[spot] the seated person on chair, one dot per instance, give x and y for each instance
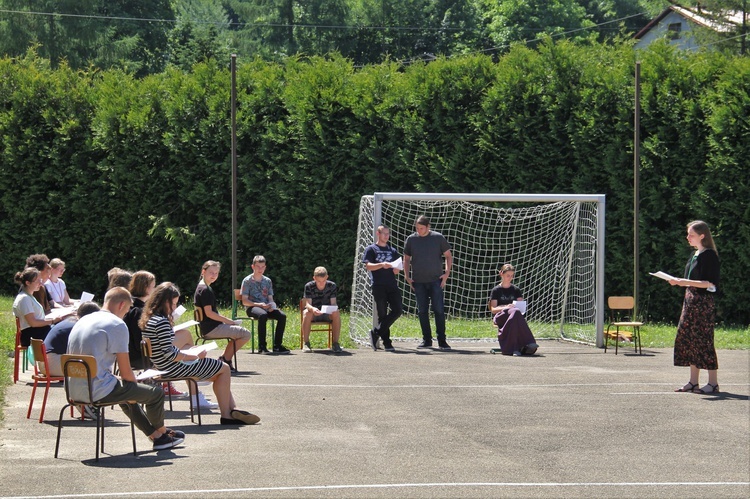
(104, 336)
(56, 341)
(513, 333)
(141, 286)
(41, 263)
(156, 323)
(55, 286)
(318, 292)
(257, 296)
(29, 311)
(215, 325)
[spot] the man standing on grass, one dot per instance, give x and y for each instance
(423, 269)
(385, 292)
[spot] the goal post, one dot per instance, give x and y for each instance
(555, 242)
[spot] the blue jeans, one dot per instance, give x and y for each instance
(430, 292)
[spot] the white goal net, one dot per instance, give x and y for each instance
(555, 242)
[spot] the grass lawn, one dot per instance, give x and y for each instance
(653, 335)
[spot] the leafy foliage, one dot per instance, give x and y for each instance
(106, 169)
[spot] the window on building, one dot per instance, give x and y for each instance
(673, 31)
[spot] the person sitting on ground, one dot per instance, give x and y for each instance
(104, 335)
(318, 292)
(55, 286)
(257, 296)
(41, 263)
(213, 324)
(156, 324)
(29, 311)
(513, 333)
(56, 341)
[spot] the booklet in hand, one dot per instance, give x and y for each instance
(663, 275)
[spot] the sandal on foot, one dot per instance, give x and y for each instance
(688, 388)
(705, 390)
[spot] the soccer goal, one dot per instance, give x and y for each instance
(555, 242)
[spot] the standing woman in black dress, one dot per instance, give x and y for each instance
(694, 344)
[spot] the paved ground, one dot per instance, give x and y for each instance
(569, 422)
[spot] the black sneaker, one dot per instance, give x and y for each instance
(425, 344)
(263, 350)
(389, 348)
(374, 337)
(175, 434)
(281, 349)
(167, 441)
(443, 345)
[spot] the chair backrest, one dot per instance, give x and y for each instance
(302, 304)
(78, 367)
(146, 347)
(40, 356)
(198, 314)
(236, 301)
(621, 302)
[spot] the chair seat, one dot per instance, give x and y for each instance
(627, 324)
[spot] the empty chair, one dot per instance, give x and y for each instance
(620, 308)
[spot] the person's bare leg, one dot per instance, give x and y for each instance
(336, 324)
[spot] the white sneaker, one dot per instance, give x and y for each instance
(204, 402)
(306, 348)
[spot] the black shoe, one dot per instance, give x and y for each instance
(244, 416)
(167, 441)
(425, 344)
(229, 363)
(281, 349)
(389, 348)
(529, 349)
(263, 350)
(374, 337)
(176, 434)
(443, 345)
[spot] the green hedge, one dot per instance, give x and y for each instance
(103, 169)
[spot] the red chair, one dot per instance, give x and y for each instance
(19, 351)
(40, 357)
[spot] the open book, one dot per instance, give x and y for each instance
(663, 275)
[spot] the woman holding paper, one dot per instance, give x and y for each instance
(506, 304)
(29, 311)
(694, 343)
(156, 323)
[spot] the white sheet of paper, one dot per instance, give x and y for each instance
(662, 275)
(328, 309)
(398, 263)
(86, 297)
(520, 305)
(178, 312)
(185, 325)
(149, 373)
(60, 312)
(196, 349)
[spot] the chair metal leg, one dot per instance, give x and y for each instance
(59, 428)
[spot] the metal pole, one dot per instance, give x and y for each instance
(636, 185)
(233, 70)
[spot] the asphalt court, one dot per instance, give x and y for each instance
(571, 421)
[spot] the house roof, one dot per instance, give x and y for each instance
(697, 17)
